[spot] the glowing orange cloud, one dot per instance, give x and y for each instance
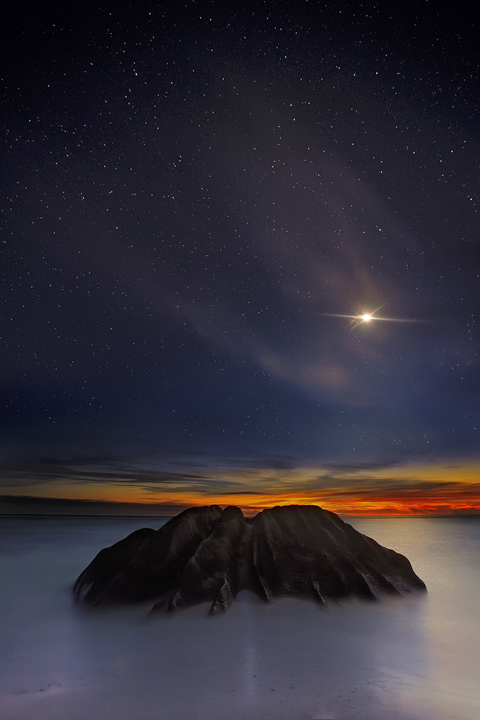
(401, 490)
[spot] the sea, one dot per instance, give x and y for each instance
(414, 658)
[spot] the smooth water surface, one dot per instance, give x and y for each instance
(401, 659)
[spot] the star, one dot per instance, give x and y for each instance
(368, 317)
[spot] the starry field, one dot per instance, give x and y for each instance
(201, 205)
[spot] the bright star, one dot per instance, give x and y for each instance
(370, 317)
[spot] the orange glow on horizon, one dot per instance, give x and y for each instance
(251, 503)
(396, 491)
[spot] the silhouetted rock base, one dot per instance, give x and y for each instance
(208, 555)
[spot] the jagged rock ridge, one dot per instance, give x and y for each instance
(208, 555)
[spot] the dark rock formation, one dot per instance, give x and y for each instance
(209, 555)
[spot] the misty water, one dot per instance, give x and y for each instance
(401, 659)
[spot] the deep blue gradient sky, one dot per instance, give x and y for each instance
(190, 192)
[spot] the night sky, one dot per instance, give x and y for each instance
(193, 199)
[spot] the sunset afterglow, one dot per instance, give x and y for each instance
(399, 490)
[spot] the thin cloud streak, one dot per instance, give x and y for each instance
(357, 488)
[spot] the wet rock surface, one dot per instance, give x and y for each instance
(208, 555)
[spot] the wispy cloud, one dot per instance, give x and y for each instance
(254, 481)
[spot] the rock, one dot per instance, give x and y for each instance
(208, 555)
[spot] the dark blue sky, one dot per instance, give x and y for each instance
(190, 193)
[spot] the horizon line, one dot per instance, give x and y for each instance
(17, 506)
